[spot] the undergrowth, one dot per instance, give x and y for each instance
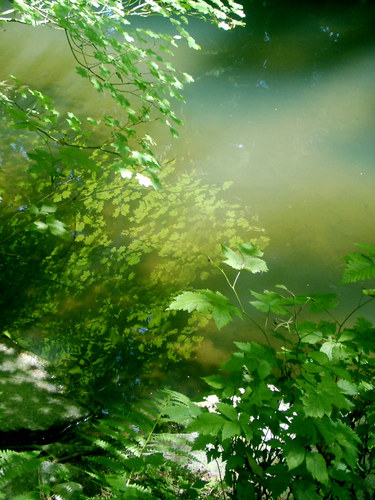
(296, 422)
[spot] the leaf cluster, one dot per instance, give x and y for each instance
(298, 420)
(121, 60)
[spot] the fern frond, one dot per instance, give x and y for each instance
(18, 473)
(369, 249)
(106, 462)
(175, 448)
(358, 267)
(133, 448)
(173, 397)
(15, 464)
(120, 482)
(170, 442)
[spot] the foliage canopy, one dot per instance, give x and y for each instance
(129, 64)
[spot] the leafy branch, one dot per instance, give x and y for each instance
(298, 418)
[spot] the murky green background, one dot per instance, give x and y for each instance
(284, 108)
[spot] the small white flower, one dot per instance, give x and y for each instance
(210, 403)
(235, 400)
(125, 173)
(143, 180)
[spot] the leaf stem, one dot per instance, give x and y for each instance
(232, 286)
(353, 312)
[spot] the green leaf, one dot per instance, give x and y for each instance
(255, 467)
(295, 455)
(319, 302)
(318, 401)
(207, 424)
(341, 492)
(264, 369)
(34, 209)
(56, 227)
(317, 467)
(233, 259)
(308, 332)
(230, 430)
(41, 226)
(188, 78)
(228, 411)
(82, 71)
(174, 132)
(97, 85)
(206, 301)
(155, 182)
(215, 381)
(190, 301)
(319, 357)
(329, 389)
(305, 490)
(348, 387)
(336, 350)
(246, 257)
(314, 405)
(48, 209)
(271, 301)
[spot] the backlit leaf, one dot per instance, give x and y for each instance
(308, 333)
(206, 301)
(230, 430)
(295, 456)
(190, 301)
(317, 467)
(246, 257)
(271, 302)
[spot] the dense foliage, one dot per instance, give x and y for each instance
(292, 422)
(131, 454)
(295, 421)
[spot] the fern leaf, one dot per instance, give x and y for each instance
(109, 463)
(121, 483)
(131, 449)
(369, 249)
(19, 472)
(358, 267)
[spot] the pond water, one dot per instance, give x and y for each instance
(285, 110)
